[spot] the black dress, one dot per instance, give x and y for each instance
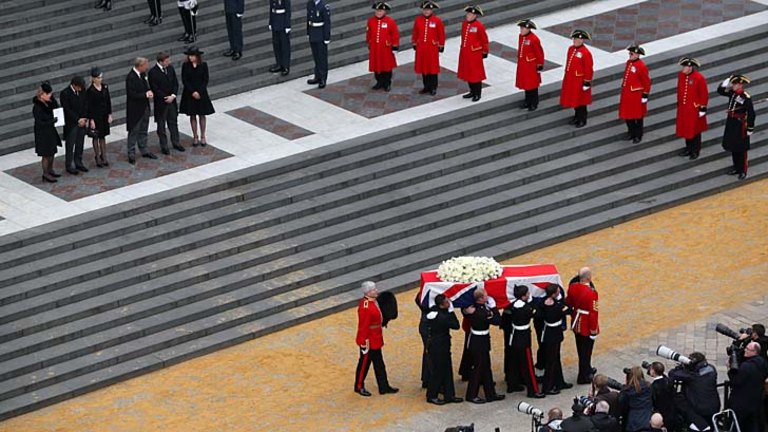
(195, 79)
(46, 136)
(98, 107)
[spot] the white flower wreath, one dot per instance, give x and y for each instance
(468, 269)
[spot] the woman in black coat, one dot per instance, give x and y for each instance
(636, 400)
(46, 136)
(195, 101)
(98, 110)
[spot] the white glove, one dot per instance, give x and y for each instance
(288, 30)
(327, 42)
(644, 100)
(450, 306)
(239, 15)
(270, 27)
(491, 302)
(593, 337)
(585, 88)
(702, 113)
(749, 133)
(727, 82)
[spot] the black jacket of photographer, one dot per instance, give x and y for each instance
(663, 398)
(747, 384)
(577, 423)
(605, 422)
(699, 387)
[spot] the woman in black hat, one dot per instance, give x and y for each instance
(195, 101)
(98, 109)
(46, 135)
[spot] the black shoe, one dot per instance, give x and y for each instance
(150, 19)
(54, 174)
(573, 120)
(131, 160)
(424, 91)
(49, 179)
(389, 390)
(636, 140)
(565, 386)
(190, 39)
(469, 96)
(183, 37)
(694, 156)
(363, 392)
(377, 86)
(475, 98)
(73, 171)
(388, 88)
(313, 81)
(230, 53)
(165, 152)
(538, 395)
(684, 153)
(275, 69)
(81, 168)
(497, 397)
(321, 85)
(580, 125)
(237, 56)
(732, 171)
(432, 92)
(436, 401)
(524, 106)
(179, 148)
(552, 392)
(100, 4)
(628, 137)
(477, 400)
(285, 71)
(742, 176)
(593, 372)
(149, 156)
(454, 400)
(154, 22)
(533, 108)
(108, 6)
(424, 385)
(511, 389)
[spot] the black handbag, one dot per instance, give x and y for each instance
(91, 132)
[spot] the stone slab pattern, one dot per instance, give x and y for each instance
(119, 173)
(356, 95)
(508, 53)
(656, 19)
(269, 123)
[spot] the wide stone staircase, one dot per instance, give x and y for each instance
(119, 292)
(55, 39)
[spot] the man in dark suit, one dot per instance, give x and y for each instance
(73, 101)
(280, 25)
(319, 32)
(165, 87)
(233, 11)
(138, 95)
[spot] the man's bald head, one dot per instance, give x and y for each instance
(657, 421)
(585, 275)
(555, 414)
(602, 407)
(752, 349)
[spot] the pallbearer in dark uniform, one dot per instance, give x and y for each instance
(582, 298)
(530, 63)
(518, 359)
(538, 325)
(692, 100)
(481, 317)
(428, 39)
(280, 26)
(576, 90)
(188, 13)
(319, 33)
(383, 41)
(635, 88)
(233, 12)
(370, 340)
(552, 312)
(474, 48)
(423, 333)
(739, 124)
(440, 321)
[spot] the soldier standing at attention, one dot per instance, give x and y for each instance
(530, 63)
(280, 26)
(319, 33)
(692, 100)
(582, 297)
(518, 359)
(474, 48)
(481, 317)
(428, 39)
(633, 104)
(383, 41)
(552, 313)
(576, 91)
(370, 340)
(739, 124)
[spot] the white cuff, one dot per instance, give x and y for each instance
(585, 88)
(288, 30)
(726, 82)
(702, 113)
(327, 42)
(644, 100)
(749, 133)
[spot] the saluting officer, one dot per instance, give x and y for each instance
(530, 63)
(692, 100)
(474, 48)
(280, 25)
(576, 91)
(370, 340)
(739, 124)
(481, 317)
(440, 321)
(319, 33)
(518, 360)
(552, 312)
(582, 298)
(428, 39)
(383, 41)
(633, 103)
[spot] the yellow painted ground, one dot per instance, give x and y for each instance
(694, 260)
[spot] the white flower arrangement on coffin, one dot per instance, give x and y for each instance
(469, 269)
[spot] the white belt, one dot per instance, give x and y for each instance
(579, 313)
(480, 332)
(517, 327)
(278, 11)
(316, 24)
(554, 324)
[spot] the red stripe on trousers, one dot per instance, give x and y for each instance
(361, 375)
(529, 360)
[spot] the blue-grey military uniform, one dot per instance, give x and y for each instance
(319, 32)
(233, 8)
(280, 24)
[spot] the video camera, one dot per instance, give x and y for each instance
(736, 350)
(670, 354)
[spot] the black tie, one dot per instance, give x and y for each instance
(163, 69)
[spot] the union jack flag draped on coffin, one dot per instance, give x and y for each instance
(536, 277)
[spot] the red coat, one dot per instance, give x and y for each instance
(636, 82)
(381, 35)
(474, 43)
(427, 38)
(530, 56)
(692, 94)
(369, 320)
(578, 69)
(584, 318)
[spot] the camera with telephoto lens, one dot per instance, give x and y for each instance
(736, 350)
(526, 408)
(588, 403)
(615, 385)
(670, 354)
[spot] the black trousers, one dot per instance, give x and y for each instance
(740, 162)
(481, 375)
(553, 368)
(281, 45)
(440, 375)
(520, 368)
(749, 420)
(693, 145)
(156, 8)
(169, 116)
(430, 82)
(532, 98)
(320, 56)
(189, 19)
(635, 128)
(364, 363)
(74, 147)
(476, 88)
(424, 356)
(584, 346)
(235, 32)
(580, 113)
(383, 79)
(690, 415)
(465, 366)
(541, 359)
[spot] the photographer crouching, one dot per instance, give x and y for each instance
(635, 398)
(699, 400)
(748, 373)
